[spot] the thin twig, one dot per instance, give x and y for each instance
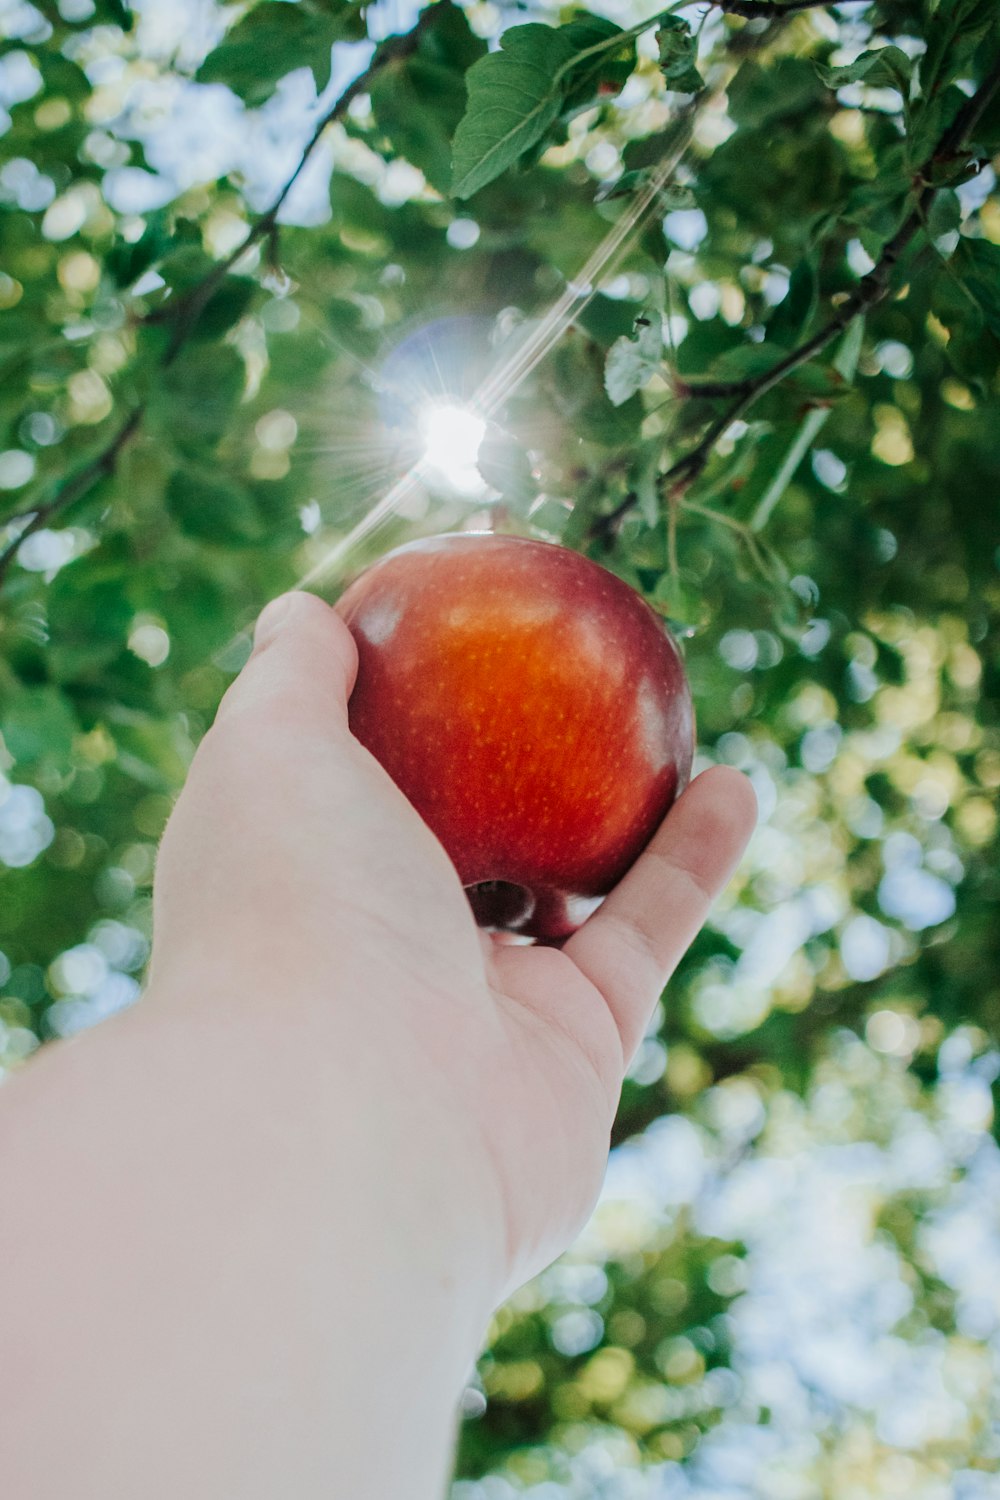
(81, 484)
(871, 290)
(769, 10)
(192, 304)
(606, 528)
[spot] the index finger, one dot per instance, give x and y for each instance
(631, 945)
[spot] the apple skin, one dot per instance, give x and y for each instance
(531, 706)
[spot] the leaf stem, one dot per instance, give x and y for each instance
(811, 425)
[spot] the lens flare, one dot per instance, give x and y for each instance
(452, 436)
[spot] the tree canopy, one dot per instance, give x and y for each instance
(721, 286)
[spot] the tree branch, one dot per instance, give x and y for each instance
(81, 484)
(871, 290)
(188, 308)
(769, 10)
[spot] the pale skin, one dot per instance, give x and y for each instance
(253, 1228)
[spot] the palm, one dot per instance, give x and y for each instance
(571, 1019)
(559, 1072)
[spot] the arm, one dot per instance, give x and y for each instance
(255, 1226)
(226, 1277)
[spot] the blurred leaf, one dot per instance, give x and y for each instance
(945, 214)
(38, 722)
(760, 94)
(126, 262)
(681, 600)
(643, 477)
(792, 316)
(419, 100)
(601, 75)
(633, 361)
(273, 39)
(953, 33)
(506, 467)
(89, 618)
(678, 51)
(193, 400)
(606, 319)
(977, 265)
(887, 65)
(213, 507)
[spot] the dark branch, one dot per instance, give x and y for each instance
(870, 291)
(188, 308)
(81, 484)
(605, 528)
(769, 10)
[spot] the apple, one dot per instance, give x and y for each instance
(531, 706)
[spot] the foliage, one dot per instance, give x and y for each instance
(725, 282)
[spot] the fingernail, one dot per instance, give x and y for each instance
(270, 620)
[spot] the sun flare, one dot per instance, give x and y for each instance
(452, 435)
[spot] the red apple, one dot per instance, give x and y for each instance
(533, 709)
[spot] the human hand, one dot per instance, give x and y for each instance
(294, 871)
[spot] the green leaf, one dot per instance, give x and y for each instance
(954, 32)
(792, 315)
(418, 101)
(678, 50)
(845, 361)
(116, 11)
(746, 361)
(887, 66)
(225, 307)
(577, 372)
(275, 38)
(608, 318)
(633, 361)
(977, 265)
(213, 507)
(126, 262)
(38, 722)
(506, 466)
(643, 477)
(192, 401)
(516, 94)
(89, 614)
(604, 65)
(786, 87)
(945, 214)
(680, 598)
(809, 429)
(961, 302)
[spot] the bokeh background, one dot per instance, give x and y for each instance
(791, 1286)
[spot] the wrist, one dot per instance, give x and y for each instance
(271, 1267)
(368, 1116)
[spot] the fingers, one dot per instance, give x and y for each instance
(633, 942)
(303, 665)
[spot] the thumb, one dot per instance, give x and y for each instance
(302, 667)
(291, 695)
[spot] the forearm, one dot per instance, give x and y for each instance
(219, 1283)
